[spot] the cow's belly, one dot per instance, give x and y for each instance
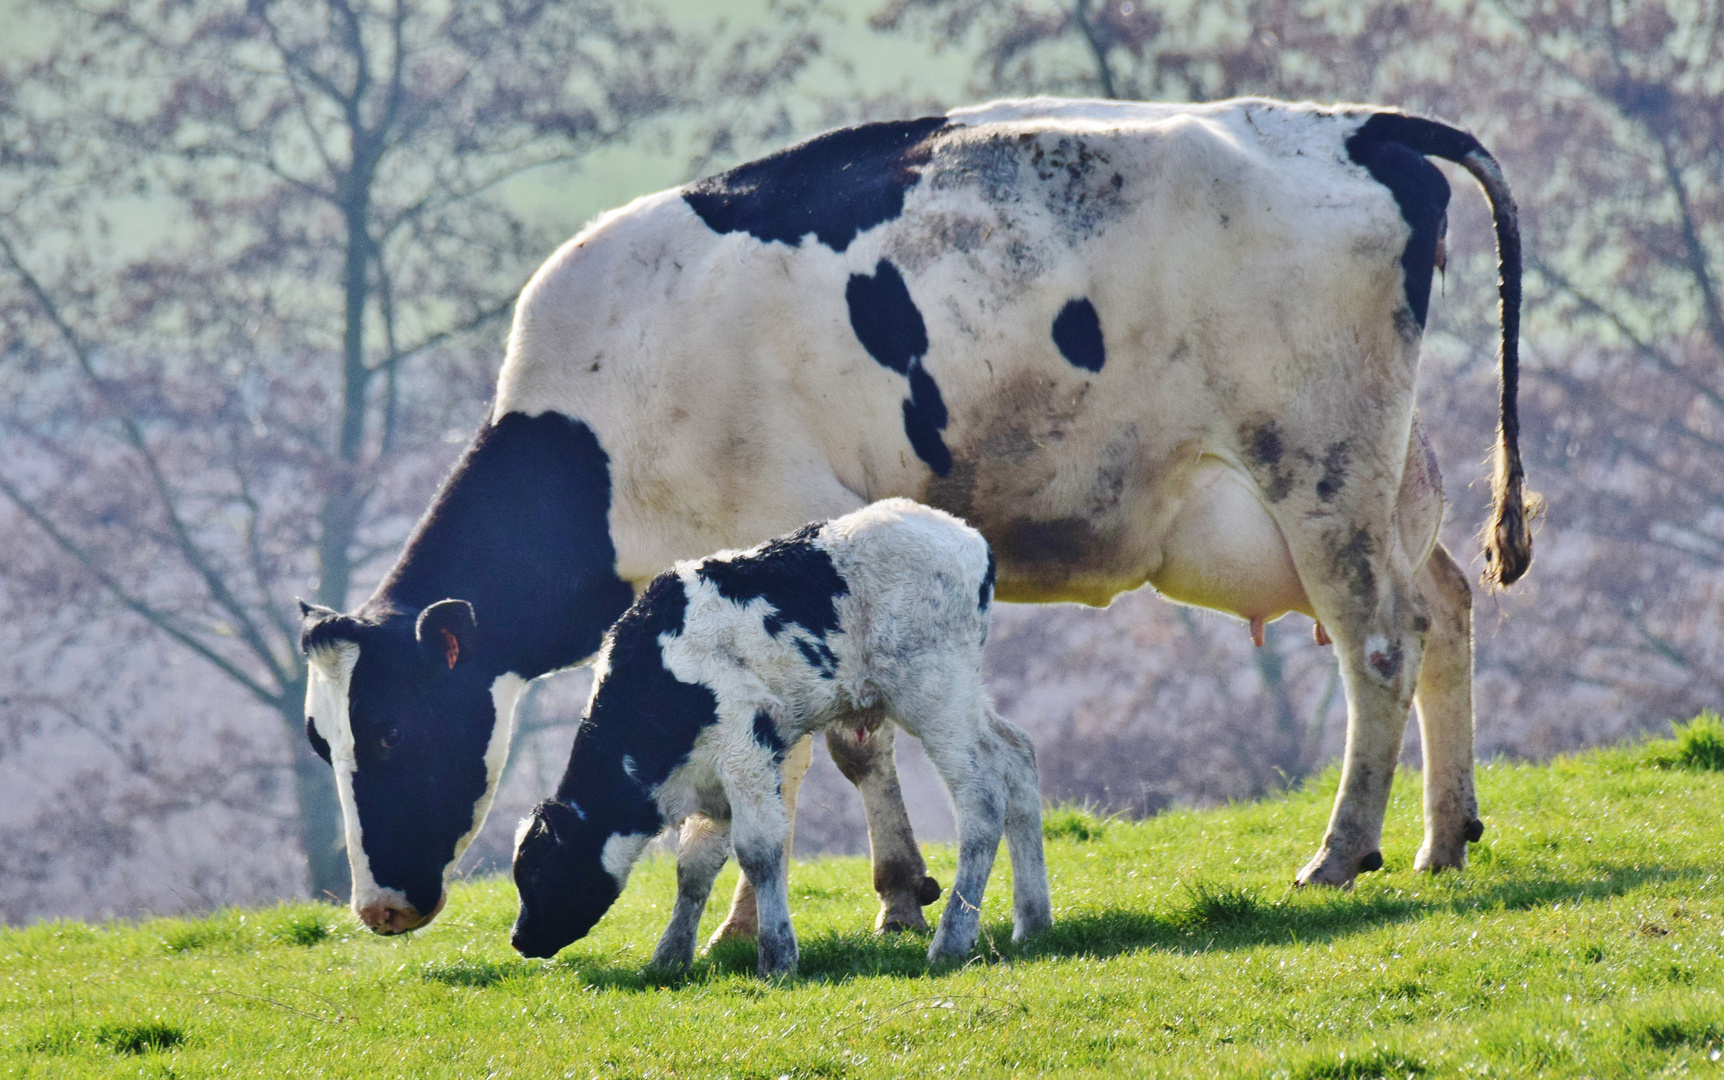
(1222, 550)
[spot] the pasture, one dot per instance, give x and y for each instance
(1587, 939)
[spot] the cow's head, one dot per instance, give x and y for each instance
(416, 726)
(568, 871)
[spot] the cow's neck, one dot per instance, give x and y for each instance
(520, 530)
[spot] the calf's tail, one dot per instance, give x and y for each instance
(1507, 537)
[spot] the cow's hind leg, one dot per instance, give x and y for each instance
(1380, 659)
(864, 753)
(742, 921)
(1362, 590)
(703, 847)
(1445, 702)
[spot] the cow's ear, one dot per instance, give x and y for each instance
(320, 626)
(446, 631)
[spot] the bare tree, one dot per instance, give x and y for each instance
(257, 261)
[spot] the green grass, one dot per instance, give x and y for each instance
(1587, 940)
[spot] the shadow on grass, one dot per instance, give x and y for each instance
(1213, 919)
(1207, 919)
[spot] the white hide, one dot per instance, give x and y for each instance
(1242, 251)
(330, 674)
(619, 855)
(505, 695)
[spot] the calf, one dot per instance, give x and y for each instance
(723, 664)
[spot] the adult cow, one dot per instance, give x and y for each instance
(1130, 343)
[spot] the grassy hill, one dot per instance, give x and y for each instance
(1587, 940)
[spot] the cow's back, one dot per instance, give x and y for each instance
(1076, 303)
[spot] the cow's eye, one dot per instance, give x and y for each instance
(390, 738)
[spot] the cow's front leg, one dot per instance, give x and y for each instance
(864, 753)
(743, 921)
(1445, 701)
(1380, 655)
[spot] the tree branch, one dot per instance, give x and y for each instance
(1695, 252)
(1641, 346)
(188, 548)
(159, 619)
(501, 308)
(1104, 73)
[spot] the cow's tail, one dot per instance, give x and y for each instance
(1507, 537)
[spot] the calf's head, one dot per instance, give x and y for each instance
(416, 727)
(568, 871)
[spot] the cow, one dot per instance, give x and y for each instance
(1129, 342)
(726, 662)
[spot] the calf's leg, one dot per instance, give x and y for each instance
(1031, 911)
(1444, 696)
(741, 921)
(971, 758)
(758, 830)
(704, 845)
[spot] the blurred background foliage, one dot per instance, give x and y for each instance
(256, 264)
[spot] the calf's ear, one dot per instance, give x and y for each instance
(446, 631)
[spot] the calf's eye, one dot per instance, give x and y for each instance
(390, 738)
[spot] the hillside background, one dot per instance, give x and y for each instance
(250, 311)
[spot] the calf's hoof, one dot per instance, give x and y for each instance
(1029, 925)
(671, 965)
(777, 959)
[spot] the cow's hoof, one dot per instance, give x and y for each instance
(1433, 858)
(734, 929)
(1446, 854)
(900, 919)
(1332, 869)
(930, 890)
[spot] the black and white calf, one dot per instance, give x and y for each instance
(725, 662)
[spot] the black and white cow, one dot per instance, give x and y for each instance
(1131, 343)
(725, 663)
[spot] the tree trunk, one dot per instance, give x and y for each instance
(318, 809)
